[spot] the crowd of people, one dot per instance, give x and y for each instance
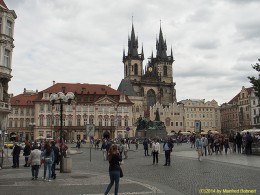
(46, 154)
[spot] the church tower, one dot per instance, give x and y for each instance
(133, 62)
(162, 61)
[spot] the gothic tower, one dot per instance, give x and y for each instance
(133, 62)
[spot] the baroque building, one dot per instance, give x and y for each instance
(207, 114)
(146, 86)
(107, 109)
(7, 20)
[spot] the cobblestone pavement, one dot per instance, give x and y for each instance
(186, 175)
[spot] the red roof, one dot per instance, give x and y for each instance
(23, 100)
(82, 89)
(2, 4)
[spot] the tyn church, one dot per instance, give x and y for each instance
(152, 84)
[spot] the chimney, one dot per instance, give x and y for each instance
(53, 82)
(24, 90)
(36, 91)
(109, 85)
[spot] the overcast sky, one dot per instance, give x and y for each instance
(81, 41)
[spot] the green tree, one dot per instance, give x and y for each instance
(256, 81)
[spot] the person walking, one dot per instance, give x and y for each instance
(155, 150)
(114, 168)
(145, 144)
(167, 148)
(35, 161)
(204, 140)
(125, 149)
(199, 145)
(104, 149)
(16, 155)
(26, 153)
(121, 148)
(249, 141)
(231, 142)
(56, 161)
(226, 144)
(48, 157)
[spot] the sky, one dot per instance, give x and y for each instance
(215, 42)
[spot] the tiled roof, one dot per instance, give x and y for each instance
(2, 4)
(23, 100)
(81, 89)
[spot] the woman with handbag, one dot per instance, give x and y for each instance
(114, 159)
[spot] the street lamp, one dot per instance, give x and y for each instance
(60, 98)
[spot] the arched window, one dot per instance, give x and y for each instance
(151, 98)
(126, 70)
(165, 71)
(136, 69)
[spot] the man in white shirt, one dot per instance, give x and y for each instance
(155, 150)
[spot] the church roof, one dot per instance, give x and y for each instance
(126, 87)
(2, 4)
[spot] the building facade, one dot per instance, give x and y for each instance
(108, 110)
(172, 116)
(207, 114)
(152, 83)
(229, 117)
(7, 21)
(254, 110)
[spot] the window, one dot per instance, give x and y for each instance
(7, 58)
(10, 123)
(27, 111)
(254, 111)
(176, 124)
(57, 121)
(119, 122)
(49, 121)
(9, 28)
(22, 111)
(16, 110)
(180, 123)
(41, 107)
(91, 120)
(70, 122)
(78, 108)
(106, 122)
(41, 121)
(100, 121)
(126, 122)
(85, 121)
(78, 121)
(21, 122)
(112, 122)
(165, 71)
(136, 69)
(172, 124)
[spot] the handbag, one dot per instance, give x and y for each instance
(121, 172)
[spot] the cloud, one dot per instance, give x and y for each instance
(214, 42)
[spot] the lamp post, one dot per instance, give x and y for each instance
(60, 98)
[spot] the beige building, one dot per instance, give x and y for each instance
(108, 110)
(7, 20)
(172, 116)
(205, 113)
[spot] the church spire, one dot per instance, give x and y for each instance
(161, 45)
(133, 44)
